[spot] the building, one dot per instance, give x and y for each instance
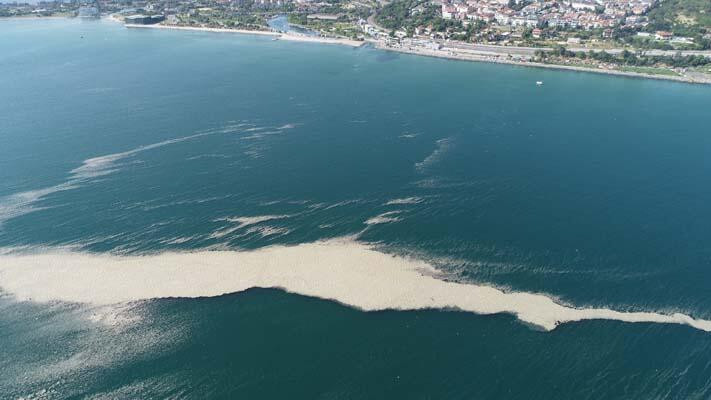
(682, 40)
(139, 19)
(583, 5)
(323, 17)
(663, 35)
(448, 11)
(88, 12)
(418, 10)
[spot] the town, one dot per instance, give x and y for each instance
(583, 14)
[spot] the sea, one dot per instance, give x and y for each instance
(193, 215)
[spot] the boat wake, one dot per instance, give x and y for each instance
(343, 270)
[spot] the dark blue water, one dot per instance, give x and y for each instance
(591, 189)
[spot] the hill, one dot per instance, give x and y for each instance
(683, 17)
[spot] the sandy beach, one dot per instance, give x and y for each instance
(318, 39)
(281, 36)
(204, 29)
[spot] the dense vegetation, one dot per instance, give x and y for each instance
(298, 19)
(683, 16)
(687, 18)
(398, 15)
(626, 58)
(219, 19)
(691, 18)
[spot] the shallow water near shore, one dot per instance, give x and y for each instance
(280, 23)
(590, 192)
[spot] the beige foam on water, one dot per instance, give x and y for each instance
(343, 270)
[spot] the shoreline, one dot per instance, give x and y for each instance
(450, 55)
(203, 29)
(446, 54)
(276, 35)
(319, 39)
(35, 17)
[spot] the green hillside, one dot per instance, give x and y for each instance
(684, 17)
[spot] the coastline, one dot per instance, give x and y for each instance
(203, 29)
(446, 54)
(276, 35)
(35, 17)
(318, 39)
(451, 55)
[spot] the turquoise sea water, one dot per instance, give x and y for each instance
(591, 189)
(280, 23)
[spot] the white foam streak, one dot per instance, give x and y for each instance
(211, 155)
(180, 239)
(405, 200)
(345, 271)
(104, 165)
(443, 146)
(242, 222)
(384, 218)
(267, 230)
(343, 203)
(22, 203)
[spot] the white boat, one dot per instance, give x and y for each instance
(539, 83)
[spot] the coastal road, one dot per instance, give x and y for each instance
(487, 48)
(490, 49)
(530, 51)
(371, 17)
(371, 21)
(705, 53)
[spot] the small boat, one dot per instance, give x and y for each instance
(539, 83)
